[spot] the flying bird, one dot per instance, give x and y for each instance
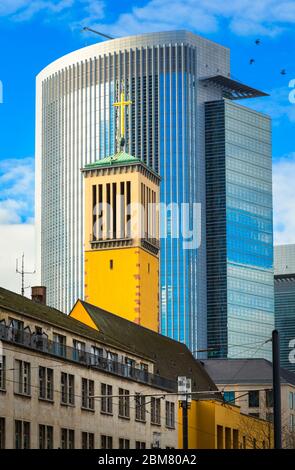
(283, 72)
(257, 42)
(251, 61)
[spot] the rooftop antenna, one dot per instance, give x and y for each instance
(96, 32)
(22, 272)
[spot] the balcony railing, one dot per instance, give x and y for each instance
(40, 343)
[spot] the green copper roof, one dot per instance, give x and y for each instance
(119, 158)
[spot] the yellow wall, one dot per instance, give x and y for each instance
(206, 415)
(130, 289)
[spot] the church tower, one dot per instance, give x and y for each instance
(122, 235)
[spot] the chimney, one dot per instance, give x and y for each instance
(39, 294)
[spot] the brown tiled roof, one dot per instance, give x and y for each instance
(171, 358)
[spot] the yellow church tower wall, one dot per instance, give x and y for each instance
(122, 238)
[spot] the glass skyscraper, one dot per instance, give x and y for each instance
(239, 230)
(169, 76)
(285, 303)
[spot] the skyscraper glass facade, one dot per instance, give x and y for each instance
(284, 258)
(163, 75)
(239, 231)
(285, 318)
(75, 125)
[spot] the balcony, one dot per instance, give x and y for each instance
(40, 343)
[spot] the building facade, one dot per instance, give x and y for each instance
(122, 238)
(248, 384)
(63, 386)
(168, 76)
(89, 380)
(219, 425)
(240, 292)
(285, 303)
(284, 259)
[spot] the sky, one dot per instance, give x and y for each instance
(34, 33)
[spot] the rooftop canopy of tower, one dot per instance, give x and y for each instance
(119, 159)
(232, 89)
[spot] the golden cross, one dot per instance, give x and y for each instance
(121, 104)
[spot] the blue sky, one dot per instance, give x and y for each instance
(34, 33)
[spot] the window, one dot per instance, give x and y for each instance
(96, 355)
(235, 438)
(112, 361)
(269, 398)
(17, 327)
(111, 263)
(292, 423)
(106, 442)
(87, 440)
(2, 433)
(227, 438)
(291, 400)
(130, 364)
(67, 438)
(254, 399)
(22, 434)
(156, 410)
(170, 414)
(140, 445)
(156, 440)
(45, 383)
(219, 437)
(59, 346)
(79, 351)
(97, 351)
(67, 389)
(45, 437)
(2, 372)
(87, 394)
(124, 443)
(107, 399)
(22, 373)
(140, 407)
(124, 403)
(144, 367)
(144, 371)
(229, 397)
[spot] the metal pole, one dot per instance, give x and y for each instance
(276, 390)
(23, 274)
(184, 425)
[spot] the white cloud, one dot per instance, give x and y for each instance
(15, 240)
(21, 10)
(17, 190)
(243, 17)
(284, 199)
(17, 232)
(277, 105)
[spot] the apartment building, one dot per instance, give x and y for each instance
(61, 387)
